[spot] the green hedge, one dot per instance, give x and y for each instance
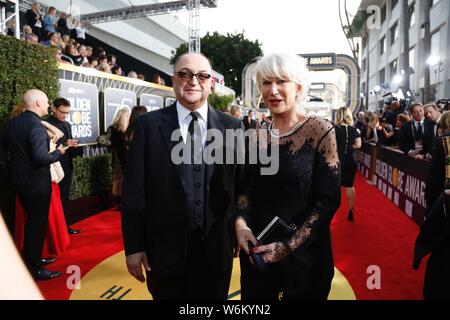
(220, 102)
(25, 66)
(90, 176)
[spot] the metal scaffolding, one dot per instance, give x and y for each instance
(194, 25)
(133, 12)
(4, 4)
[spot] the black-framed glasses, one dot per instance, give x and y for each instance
(187, 76)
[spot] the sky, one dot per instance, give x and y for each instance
(290, 26)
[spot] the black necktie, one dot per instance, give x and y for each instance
(419, 129)
(195, 136)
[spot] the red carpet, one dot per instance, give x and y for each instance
(101, 237)
(381, 235)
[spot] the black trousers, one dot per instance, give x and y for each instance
(64, 188)
(197, 283)
(36, 209)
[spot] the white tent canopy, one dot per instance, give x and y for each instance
(149, 39)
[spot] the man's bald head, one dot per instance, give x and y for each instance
(37, 101)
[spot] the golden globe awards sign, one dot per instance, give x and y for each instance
(83, 116)
(323, 61)
(114, 100)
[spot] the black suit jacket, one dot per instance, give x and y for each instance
(406, 140)
(429, 137)
(154, 214)
(247, 125)
(28, 143)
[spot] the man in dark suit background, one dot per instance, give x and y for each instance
(414, 135)
(177, 219)
(61, 109)
(432, 114)
(249, 122)
(28, 143)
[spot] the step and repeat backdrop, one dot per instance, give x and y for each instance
(96, 97)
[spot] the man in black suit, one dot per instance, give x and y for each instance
(415, 138)
(61, 109)
(28, 143)
(177, 218)
(249, 122)
(432, 114)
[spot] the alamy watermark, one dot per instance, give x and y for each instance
(374, 20)
(374, 280)
(228, 147)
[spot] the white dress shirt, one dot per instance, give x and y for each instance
(184, 119)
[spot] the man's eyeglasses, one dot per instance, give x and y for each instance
(62, 112)
(187, 76)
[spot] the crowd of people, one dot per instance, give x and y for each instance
(51, 30)
(411, 130)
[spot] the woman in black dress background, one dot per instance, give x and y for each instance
(348, 139)
(305, 192)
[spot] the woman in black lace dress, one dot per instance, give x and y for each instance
(304, 192)
(348, 139)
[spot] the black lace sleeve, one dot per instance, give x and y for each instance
(326, 189)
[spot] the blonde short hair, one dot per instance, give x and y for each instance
(344, 116)
(286, 67)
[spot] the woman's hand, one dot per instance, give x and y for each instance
(272, 252)
(243, 234)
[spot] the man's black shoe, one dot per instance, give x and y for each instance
(72, 231)
(46, 261)
(44, 274)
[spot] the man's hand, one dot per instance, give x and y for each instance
(135, 263)
(62, 149)
(72, 143)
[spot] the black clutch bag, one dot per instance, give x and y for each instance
(276, 230)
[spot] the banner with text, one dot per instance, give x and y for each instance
(83, 117)
(402, 180)
(114, 100)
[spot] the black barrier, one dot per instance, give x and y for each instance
(83, 115)
(114, 100)
(151, 102)
(402, 179)
(366, 157)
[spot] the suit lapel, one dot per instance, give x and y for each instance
(213, 123)
(168, 125)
